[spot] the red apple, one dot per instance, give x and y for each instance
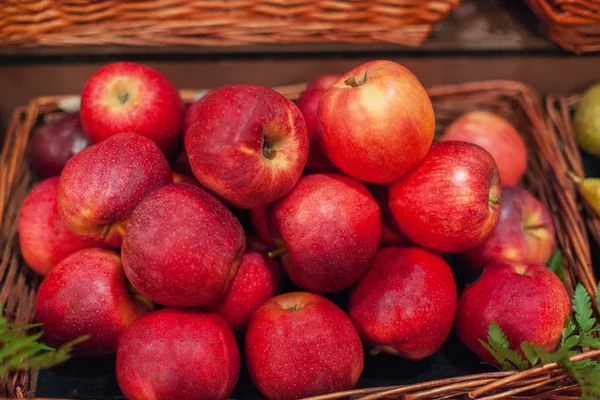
(53, 144)
(308, 103)
(528, 302)
(300, 345)
(100, 186)
(44, 238)
(258, 279)
(390, 235)
(258, 217)
(376, 122)
(182, 247)
(524, 234)
(88, 294)
(451, 201)
(130, 97)
(498, 136)
(327, 231)
(248, 144)
(178, 354)
(406, 303)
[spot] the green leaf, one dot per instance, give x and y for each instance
(584, 364)
(589, 341)
(496, 336)
(530, 353)
(500, 359)
(583, 309)
(23, 327)
(21, 351)
(598, 294)
(497, 346)
(16, 345)
(570, 342)
(567, 330)
(546, 356)
(556, 265)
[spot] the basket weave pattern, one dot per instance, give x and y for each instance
(572, 24)
(546, 178)
(217, 23)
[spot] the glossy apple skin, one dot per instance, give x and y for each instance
(382, 128)
(528, 302)
(44, 238)
(53, 144)
(100, 186)
(178, 354)
(87, 294)
(390, 235)
(234, 132)
(330, 226)
(182, 247)
(498, 136)
(259, 278)
(406, 303)
(451, 201)
(258, 217)
(308, 103)
(286, 343)
(524, 234)
(130, 97)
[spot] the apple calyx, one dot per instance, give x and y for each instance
(351, 82)
(277, 252)
(269, 144)
(293, 308)
(269, 152)
(123, 97)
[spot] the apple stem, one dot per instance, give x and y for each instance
(351, 82)
(277, 252)
(538, 226)
(375, 350)
(577, 179)
(269, 152)
(105, 231)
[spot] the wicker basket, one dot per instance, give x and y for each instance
(217, 23)
(560, 121)
(573, 25)
(546, 178)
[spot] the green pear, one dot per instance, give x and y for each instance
(589, 188)
(587, 121)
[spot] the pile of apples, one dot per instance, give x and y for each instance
(144, 249)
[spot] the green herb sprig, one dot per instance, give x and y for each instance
(22, 351)
(577, 335)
